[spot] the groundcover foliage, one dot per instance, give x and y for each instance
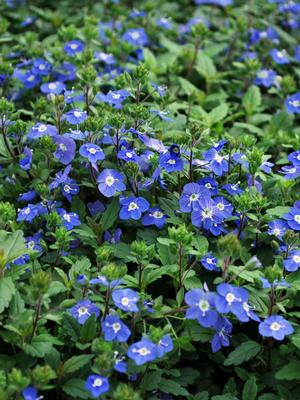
(149, 213)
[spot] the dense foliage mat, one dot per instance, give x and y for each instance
(149, 199)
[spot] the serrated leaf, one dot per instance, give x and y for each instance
(7, 290)
(110, 215)
(76, 362)
(250, 389)
(12, 246)
(76, 389)
(242, 353)
(252, 99)
(289, 372)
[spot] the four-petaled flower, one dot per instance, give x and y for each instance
(126, 299)
(276, 327)
(83, 310)
(114, 329)
(133, 207)
(110, 182)
(97, 385)
(92, 152)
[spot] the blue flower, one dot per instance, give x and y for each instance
(73, 47)
(65, 149)
(161, 114)
(230, 299)
(114, 98)
(69, 189)
(95, 207)
(29, 79)
(83, 310)
(102, 280)
(133, 207)
(278, 227)
(210, 262)
(293, 218)
(142, 351)
(53, 87)
(292, 263)
(191, 196)
(41, 67)
(291, 171)
(113, 238)
(128, 155)
(164, 23)
(161, 90)
(110, 182)
(247, 313)
(27, 196)
(223, 329)
(26, 160)
(170, 160)
(136, 37)
(33, 242)
(280, 57)
(276, 327)
(266, 78)
(106, 58)
(41, 129)
(75, 116)
(201, 307)
(92, 152)
(97, 385)
(297, 53)
(222, 3)
(257, 35)
(69, 220)
(28, 213)
(210, 184)
(294, 158)
(114, 329)
(154, 216)
(233, 188)
(76, 134)
(30, 393)
(126, 299)
(65, 72)
(120, 365)
(60, 178)
(224, 206)
(165, 345)
(207, 214)
(292, 103)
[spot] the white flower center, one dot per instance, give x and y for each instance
(297, 218)
(135, 35)
(27, 211)
(97, 382)
(67, 188)
(194, 197)
(275, 326)
(295, 103)
(125, 301)
(74, 46)
(276, 232)
(157, 214)
(116, 327)
(204, 305)
(208, 186)
(52, 86)
(31, 78)
(109, 180)
(67, 218)
(209, 261)
(82, 311)
(92, 150)
(42, 128)
(207, 213)
(62, 147)
(230, 297)
(132, 206)
(220, 206)
(296, 259)
(77, 114)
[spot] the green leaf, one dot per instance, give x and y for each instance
(7, 290)
(278, 211)
(88, 329)
(110, 214)
(226, 396)
(76, 389)
(151, 380)
(289, 372)
(250, 389)
(76, 362)
(242, 353)
(12, 247)
(217, 114)
(252, 99)
(172, 387)
(187, 86)
(205, 66)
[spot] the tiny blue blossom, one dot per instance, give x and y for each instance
(83, 310)
(97, 385)
(276, 327)
(114, 329)
(126, 299)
